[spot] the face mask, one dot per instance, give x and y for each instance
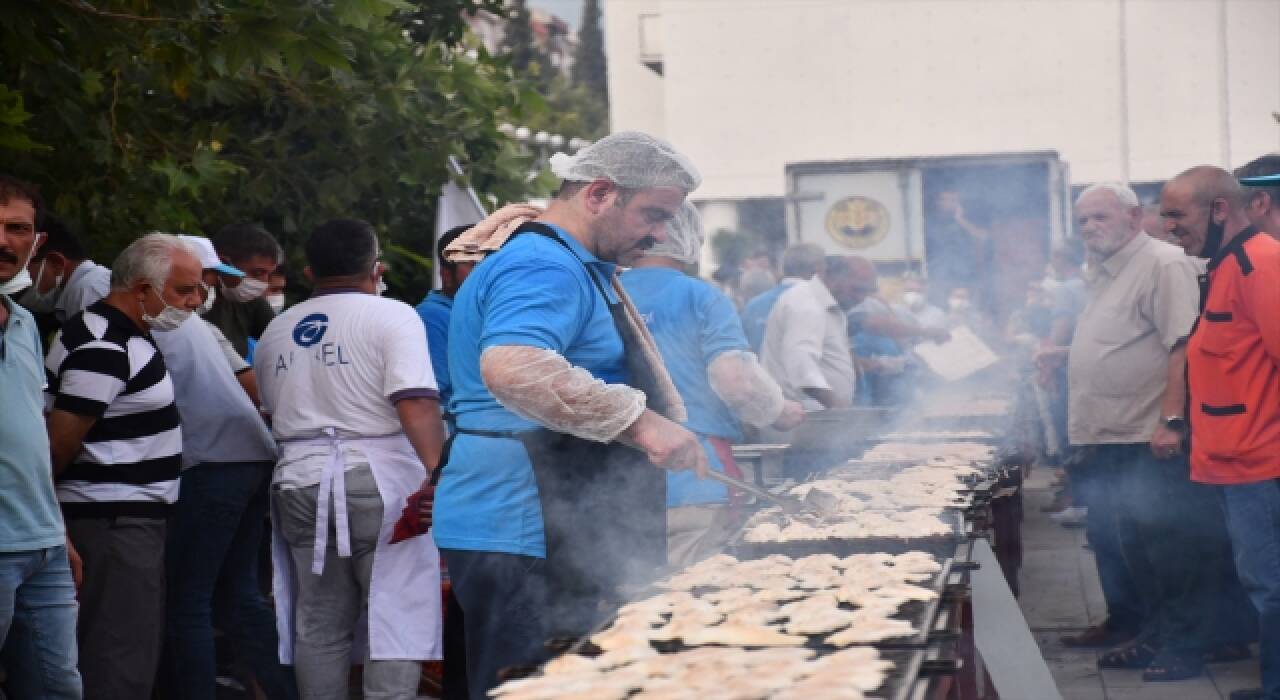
(248, 290)
(1213, 237)
(913, 299)
(168, 319)
(382, 286)
(20, 281)
(37, 302)
(211, 296)
(276, 301)
(958, 304)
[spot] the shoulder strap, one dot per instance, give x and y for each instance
(541, 229)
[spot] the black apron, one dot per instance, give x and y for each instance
(604, 508)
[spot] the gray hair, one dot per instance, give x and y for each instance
(149, 258)
(802, 260)
(1123, 193)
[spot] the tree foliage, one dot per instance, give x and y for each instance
(589, 69)
(137, 115)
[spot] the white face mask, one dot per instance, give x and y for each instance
(168, 319)
(248, 290)
(37, 302)
(382, 286)
(276, 301)
(913, 300)
(211, 295)
(22, 280)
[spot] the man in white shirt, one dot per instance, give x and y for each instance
(346, 379)
(64, 280)
(806, 342)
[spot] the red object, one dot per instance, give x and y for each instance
(724, 450)
(413, 521)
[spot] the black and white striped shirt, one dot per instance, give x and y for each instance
(102, 365)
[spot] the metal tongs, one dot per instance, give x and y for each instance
(789, 505)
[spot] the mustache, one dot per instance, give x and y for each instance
(8, 256)
(646, 243)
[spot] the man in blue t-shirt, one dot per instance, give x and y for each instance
(799, 263)
(702, 345)
(37, 592)
(548, 500)
(436, 307)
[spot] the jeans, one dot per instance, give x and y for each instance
(504, 603)
(38, 624)
(121, 627)
(1253, 519)
(329, 605)
(1174, 538)
(212, 559)
(697, 532)
(1097, 480)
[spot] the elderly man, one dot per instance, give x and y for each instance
(1155, 535)
(548, 501)
(1233, 368)
(240, 310)
(64, 279)
(116, 443)
(799, 263)
(806, 344)
(37, 592)
(702, 345)
(346, 378)
(216, 530)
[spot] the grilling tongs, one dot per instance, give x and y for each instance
(788, 504)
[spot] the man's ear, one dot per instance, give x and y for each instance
(599, 195)
(306, 272)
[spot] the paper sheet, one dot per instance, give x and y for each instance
(959, 357)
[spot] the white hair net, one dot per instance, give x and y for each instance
(684, 237)
(630, 159)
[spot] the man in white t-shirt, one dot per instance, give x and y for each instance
(346, 379)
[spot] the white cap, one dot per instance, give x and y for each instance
(208, 256)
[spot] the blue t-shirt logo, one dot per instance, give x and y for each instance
(310, 330)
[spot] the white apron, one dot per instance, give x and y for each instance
(403, 620)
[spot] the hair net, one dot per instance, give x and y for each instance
(629, 159)
(684, 237)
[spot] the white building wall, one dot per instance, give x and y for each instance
(1123, 89)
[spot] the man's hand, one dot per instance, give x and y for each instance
(791, 416)
(1166, 442)
(1050, 357)
(77, 565)
(666, 444)
(937, 335)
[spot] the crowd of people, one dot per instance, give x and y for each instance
(542, 426)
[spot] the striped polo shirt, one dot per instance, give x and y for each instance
(103, 366)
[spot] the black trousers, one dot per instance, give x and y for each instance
(503, 598)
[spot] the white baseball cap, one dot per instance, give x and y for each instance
(208, 256)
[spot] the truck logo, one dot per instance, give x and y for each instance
(857, 222)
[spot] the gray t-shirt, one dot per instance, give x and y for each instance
(220, 423)
(88, 283)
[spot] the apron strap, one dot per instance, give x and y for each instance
(332, 481)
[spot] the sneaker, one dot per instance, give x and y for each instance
(1074, 516)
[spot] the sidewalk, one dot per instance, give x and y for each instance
(1060, 595)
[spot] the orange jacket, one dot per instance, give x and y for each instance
(1233, 365)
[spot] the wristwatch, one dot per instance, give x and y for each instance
(1175, 423)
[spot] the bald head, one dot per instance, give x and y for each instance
(1203, 208)
(850, 278)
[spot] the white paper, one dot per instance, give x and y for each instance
(959, 357)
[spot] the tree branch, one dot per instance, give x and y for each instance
(84, 6)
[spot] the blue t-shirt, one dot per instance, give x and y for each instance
(29, 516)
(536, 293)
(755, 315)
(434, 311)
(692, 323)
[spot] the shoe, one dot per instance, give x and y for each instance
(1173, 667)
(1075, 516)
(1131, 656)
(1099, 635)
(1247, 694)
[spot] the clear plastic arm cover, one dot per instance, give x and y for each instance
(540, 385)
(744, 386)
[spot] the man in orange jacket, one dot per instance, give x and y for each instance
(1233, 370)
